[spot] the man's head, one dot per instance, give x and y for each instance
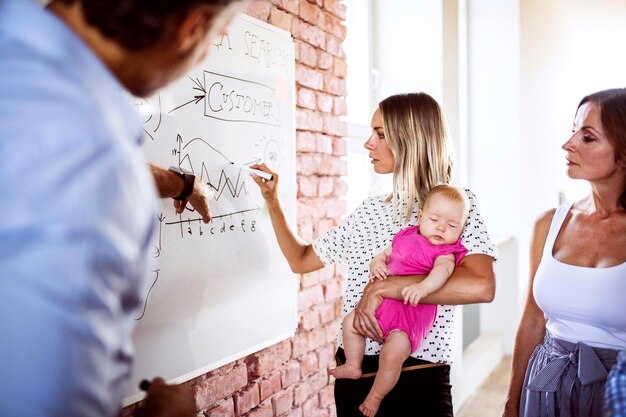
(147, 43)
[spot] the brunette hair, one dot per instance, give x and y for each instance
(139, 24)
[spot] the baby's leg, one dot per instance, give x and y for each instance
(394, 352)
(354, 348)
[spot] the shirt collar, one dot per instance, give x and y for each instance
(26, 22)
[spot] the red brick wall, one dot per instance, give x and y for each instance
(291, 379)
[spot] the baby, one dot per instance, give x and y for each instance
(434, 248)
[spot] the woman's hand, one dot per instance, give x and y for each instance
(269, 188)
(365, 322)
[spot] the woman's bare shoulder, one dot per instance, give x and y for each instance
(545, 217)
(542, 224)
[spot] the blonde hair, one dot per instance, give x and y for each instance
(416, 135)
(453, 193)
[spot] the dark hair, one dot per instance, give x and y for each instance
(139, 24)
(612, 105)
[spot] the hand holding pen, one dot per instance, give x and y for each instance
(267, 182)
(163, 400)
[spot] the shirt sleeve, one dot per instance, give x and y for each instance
(334, 245)
(475, 236)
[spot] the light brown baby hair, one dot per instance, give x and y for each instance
(453, 193)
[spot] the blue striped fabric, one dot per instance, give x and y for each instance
(615, 399)
(566, 379)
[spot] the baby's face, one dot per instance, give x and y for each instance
(442, 220)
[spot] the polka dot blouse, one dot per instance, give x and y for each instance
(366, 232)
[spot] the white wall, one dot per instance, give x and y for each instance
(494, 144)
(359, 51)
(391, 47)
(408, 47)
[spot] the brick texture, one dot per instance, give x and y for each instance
(290, 379)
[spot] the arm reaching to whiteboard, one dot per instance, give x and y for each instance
(173, 184)
(299, 254)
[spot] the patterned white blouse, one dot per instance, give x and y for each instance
(366, 232)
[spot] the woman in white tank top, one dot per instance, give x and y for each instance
(574, 321)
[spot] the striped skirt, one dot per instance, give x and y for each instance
(565, 379)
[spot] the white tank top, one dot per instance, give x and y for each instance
(581, 304)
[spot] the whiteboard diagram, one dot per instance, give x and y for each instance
(222, 290)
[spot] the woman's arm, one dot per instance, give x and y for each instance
(473, 281)
(442, 269)
(532, 327)
(299, 254)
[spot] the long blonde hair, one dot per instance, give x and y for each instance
(416, 135)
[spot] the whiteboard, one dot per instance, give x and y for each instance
(220, 291)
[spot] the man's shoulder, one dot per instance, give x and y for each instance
(30, 82)
(40, 97)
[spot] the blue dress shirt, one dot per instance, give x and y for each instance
(76, 219)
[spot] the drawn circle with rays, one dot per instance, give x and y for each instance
(271, 154)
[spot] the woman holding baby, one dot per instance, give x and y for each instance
(408, 140)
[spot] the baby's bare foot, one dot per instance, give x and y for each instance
(370, 406)
(346, 372)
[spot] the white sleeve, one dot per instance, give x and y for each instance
(334, 245)
(475, 236)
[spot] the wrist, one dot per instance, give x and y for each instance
(419, 287)
(377, 289)
(273, 204)
(188, 182)
(389, 289)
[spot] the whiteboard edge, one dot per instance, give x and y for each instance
(213, 366)
(265, 25)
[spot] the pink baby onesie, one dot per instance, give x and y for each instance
(411, 254)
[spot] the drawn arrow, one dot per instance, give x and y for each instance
(197, 99)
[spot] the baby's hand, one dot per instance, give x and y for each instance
(412, 294)
(378, 269)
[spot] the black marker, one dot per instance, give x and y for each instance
(144, 385)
